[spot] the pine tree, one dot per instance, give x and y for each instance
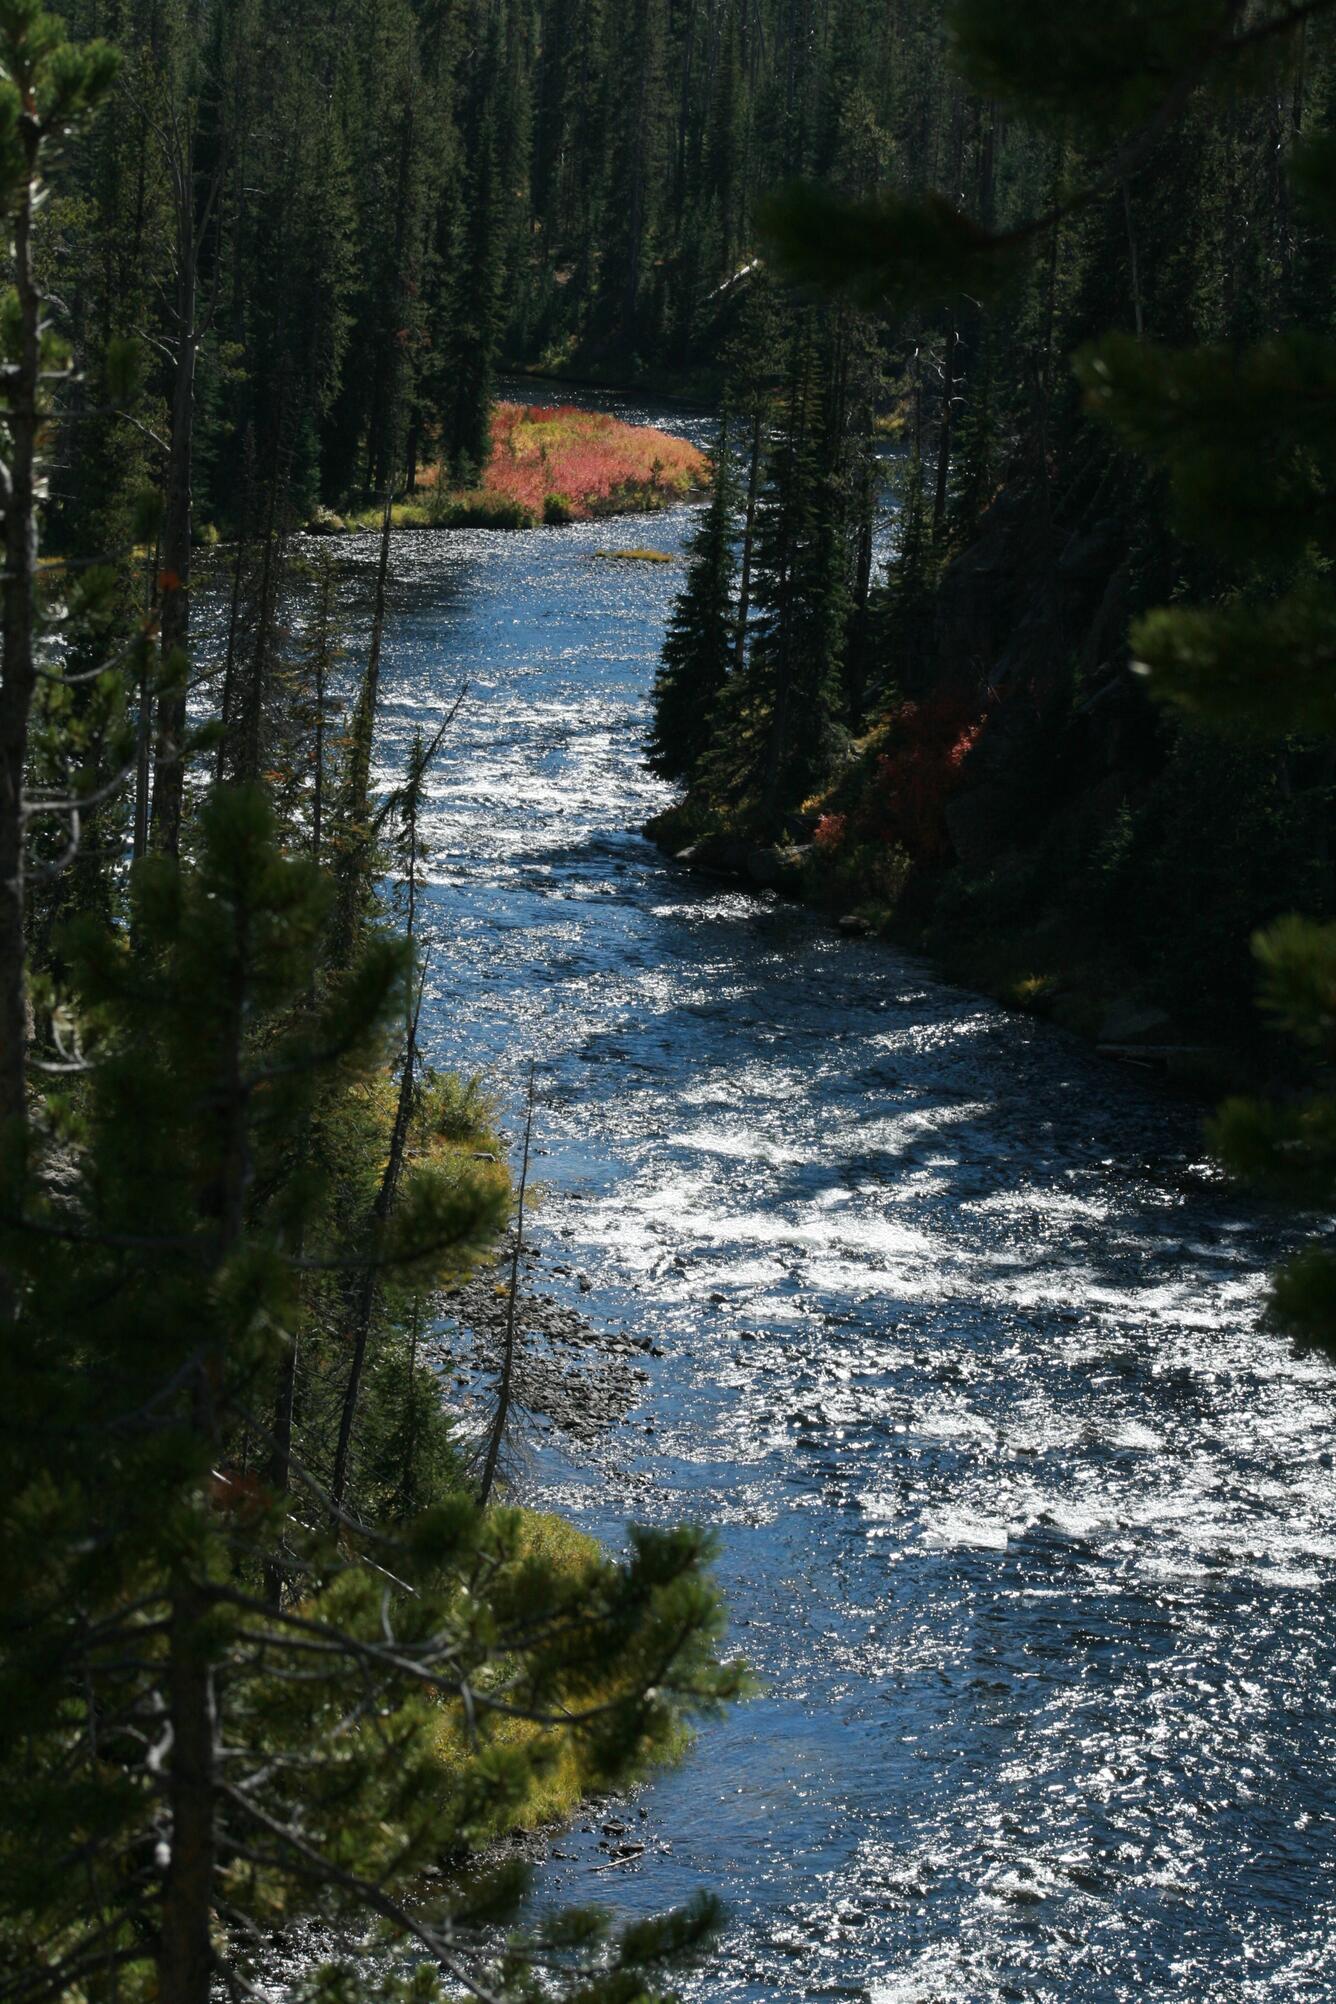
(471, 346)
(195, 197)
(49, 86)
(781, 727)
(698, 649)
(209, 1759)
(904, 608)
(636, 160)
(354, 837)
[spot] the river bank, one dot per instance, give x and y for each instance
(571, 1372)
(1101, 1002)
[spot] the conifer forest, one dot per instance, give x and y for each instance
(668, 1002)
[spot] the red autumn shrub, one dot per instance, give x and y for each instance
(591, 459)
(830, 832)
(919, 771)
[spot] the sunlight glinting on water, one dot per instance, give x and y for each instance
(1026, 1526)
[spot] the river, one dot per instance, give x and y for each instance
(1024, 1526)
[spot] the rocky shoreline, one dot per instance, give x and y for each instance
(571, 1375)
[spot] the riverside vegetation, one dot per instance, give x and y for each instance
(1070, 417)
(268, 1657)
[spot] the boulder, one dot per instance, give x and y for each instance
(325, 522)
(778, 867)
(1127, 1021)
(724, 855)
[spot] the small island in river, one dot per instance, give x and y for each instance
(550, 463)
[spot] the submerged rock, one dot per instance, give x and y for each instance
(568, 1373)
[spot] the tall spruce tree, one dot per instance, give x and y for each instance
(780, 728)
(698, 650)
(48, 85)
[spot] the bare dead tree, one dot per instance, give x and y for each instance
(506, 1386)
(369, 1279)
(192, 215)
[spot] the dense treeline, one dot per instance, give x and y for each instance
(974, 752)
(365, 205)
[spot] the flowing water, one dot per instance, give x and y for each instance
(1025, 1528)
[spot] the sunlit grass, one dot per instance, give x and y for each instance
(560, 1777)
(1031, 990)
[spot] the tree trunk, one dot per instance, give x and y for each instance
(18, 674)
(185, 1952)
(507, 1384)
(280, 1458)
(353, 863)
(944, 433)
(361, 759)
(795, 451)
(748, 538)
(1134, 263)
(185, 1960)
(169, 765)
(684, 101)
(321, 669)
(144, 724)
(368, 1285)
(257, 689)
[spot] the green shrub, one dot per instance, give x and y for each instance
(846, 873)
(460, 1109)
(481, 508)
(413, 515)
